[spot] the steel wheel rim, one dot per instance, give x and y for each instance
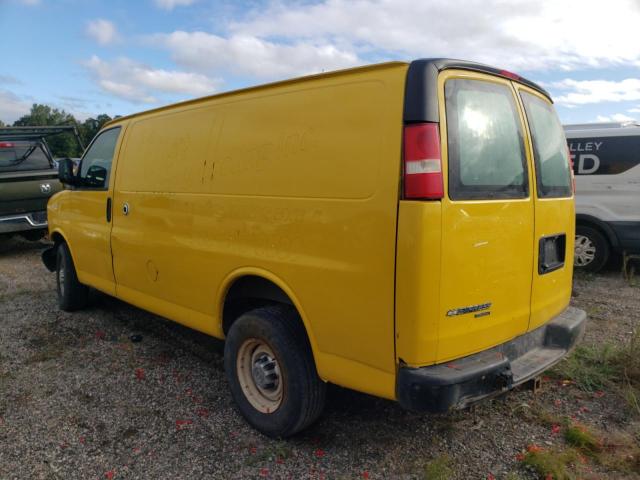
(585, 251)
(61, 276)
(259, 375)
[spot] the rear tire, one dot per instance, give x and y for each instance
(591, 250)
(72, 295)
(271, 372)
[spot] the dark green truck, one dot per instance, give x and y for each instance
(28, 178)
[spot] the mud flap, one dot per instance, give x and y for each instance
(49, 258)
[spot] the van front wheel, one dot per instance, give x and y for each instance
(72, 295)
(591, 249)
(271, 372)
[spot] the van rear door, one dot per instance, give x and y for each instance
(487, 215)
(554, 209)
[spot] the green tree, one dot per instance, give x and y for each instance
(1, 123)
(91, 126)
(63, 145)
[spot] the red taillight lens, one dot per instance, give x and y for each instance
(6, 145)
(573, 177)
(511, 75)
(422, 162)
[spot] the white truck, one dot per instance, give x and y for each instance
(606, 163)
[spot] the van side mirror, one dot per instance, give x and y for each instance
(65, 172)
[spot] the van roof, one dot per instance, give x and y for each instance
(421, 72)
(599, 125)
(421, 101)
(602, 129)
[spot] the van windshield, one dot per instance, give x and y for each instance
(549, 147)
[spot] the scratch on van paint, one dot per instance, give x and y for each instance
(211, 150)
(480, 244)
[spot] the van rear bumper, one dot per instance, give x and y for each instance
(456, 384)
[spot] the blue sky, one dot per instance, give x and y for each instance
(117, 57)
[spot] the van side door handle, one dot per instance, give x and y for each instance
(108, 209)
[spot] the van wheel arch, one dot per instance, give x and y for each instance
(595, 238)
(602, 227)
(248, 292)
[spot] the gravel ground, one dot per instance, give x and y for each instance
(80, 399)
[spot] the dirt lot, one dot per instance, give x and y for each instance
(80, 399)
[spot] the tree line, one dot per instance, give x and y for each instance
(65, 144)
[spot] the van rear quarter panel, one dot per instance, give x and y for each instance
(298, 180)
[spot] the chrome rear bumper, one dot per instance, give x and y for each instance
(23, 222)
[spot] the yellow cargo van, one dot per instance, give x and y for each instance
(402, 229)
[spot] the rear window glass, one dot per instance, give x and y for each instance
(22, 157)
(486, 148)
(549, 147)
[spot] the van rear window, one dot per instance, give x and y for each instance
(485, 142)
(549, 148)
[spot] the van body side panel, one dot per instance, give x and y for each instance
(551, 291)
(300, 180)
(607, 168)
(418, 282)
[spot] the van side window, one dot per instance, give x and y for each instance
(96, 163)
(549, 148)
(485, 142)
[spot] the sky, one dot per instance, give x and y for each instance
(118, 57)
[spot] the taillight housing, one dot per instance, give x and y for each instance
(422, 162)
(511, 75)
(573, 176)
(7, 145)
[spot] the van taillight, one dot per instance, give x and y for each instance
(573, 176)
(6, 145)
(422, 162)
(511, 75)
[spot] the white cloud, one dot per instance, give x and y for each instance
(281, 39)
(102, 31)
(516, 34)
(581, 92)
(634, 110)
(137, 83)
(249, 55)
(12, 106)
(171, 4)
(616, 117)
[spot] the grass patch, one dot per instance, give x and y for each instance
(555, 463)
(583, 439)
(606, 367)
(278, 451)
(616, 452)
(438, 469)
(536, 413)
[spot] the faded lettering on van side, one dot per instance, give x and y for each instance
(603, 156)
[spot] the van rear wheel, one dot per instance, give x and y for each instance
(591, 249)
(72, 295)
(271, 372)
